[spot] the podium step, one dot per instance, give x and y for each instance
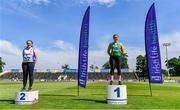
(27, 97)
(116, 94)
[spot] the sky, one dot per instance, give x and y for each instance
(54, 26)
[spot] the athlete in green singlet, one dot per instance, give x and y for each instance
(115, 50)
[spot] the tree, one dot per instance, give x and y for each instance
(141, 66)
(164, 72)
(124, 63)
(93, 67)
(96, 67)
(174, 66)
(142, 71)
(124, 60)
(1, 65)
(106, 65)
(65, 66)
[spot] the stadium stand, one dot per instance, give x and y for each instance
(65, 76)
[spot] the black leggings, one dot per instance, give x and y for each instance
(28, 69)
(115, 61)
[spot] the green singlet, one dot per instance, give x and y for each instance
(116, 47)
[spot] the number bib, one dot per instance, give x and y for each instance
(28, 55)
(116, 48)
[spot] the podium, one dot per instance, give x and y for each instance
(116, 94)
(27, 97)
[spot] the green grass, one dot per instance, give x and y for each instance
(172, 78)
(63, 95)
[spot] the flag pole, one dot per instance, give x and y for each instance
(150, 88)
(78, 84)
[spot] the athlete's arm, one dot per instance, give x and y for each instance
(109, 49)
(35, 55)
(122, 48)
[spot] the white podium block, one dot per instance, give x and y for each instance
(27, 97)
(116, 94)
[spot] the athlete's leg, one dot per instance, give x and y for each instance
(118, 66)
(25, 74)
(111, 69)
(31, 78)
